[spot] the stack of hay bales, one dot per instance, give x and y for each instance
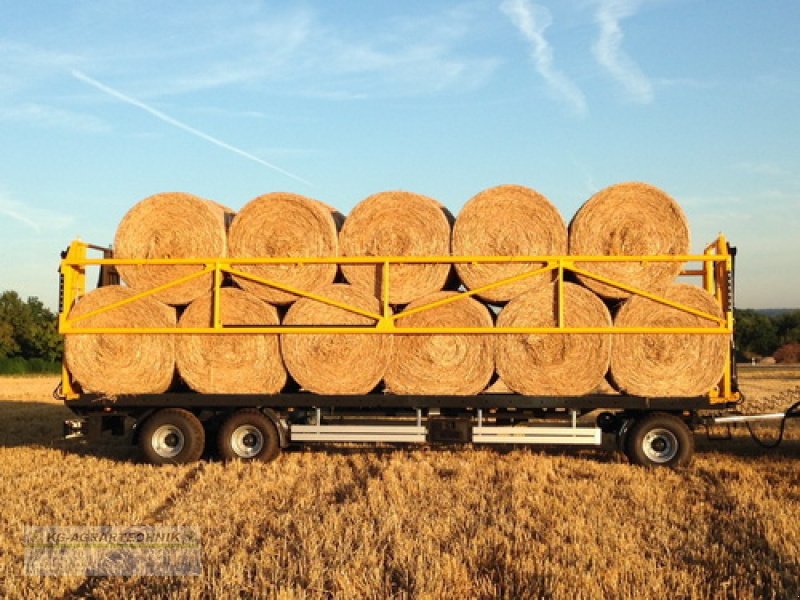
(507, 220)
(639, 219)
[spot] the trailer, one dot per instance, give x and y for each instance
(175, 427)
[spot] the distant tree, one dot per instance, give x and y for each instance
(28, 329)
(756, 334)
(43, 340)
(788, 327)
(8, 345)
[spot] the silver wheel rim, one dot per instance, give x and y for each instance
(247, 441)
(168, 441)
(660, 445)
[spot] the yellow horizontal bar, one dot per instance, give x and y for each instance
(361, 329)
(353, 260)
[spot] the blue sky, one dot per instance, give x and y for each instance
(105, 103)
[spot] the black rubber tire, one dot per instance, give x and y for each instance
(172, 436)
(248, 435)
(659, 440)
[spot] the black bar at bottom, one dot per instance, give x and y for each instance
(387, 401)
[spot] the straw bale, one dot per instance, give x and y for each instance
(458, 364)
(171, 225)
(507, 220)
(557, 364)
(282, 224)
(230, 363)
(121, 363)
(668, 364)
(397, 224)
(633, 219)
(335, 363)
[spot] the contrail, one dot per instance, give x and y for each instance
(20, 217)
(609, 53)
(175, 123)
(532, 21)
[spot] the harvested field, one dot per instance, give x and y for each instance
(435, 522)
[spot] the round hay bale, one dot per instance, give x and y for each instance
(668, 364)
(459, 364)
(397, 224)
(108, 363)
(507, 220)
(629, 219)
(335, 363)
(171, 225)
(231, 363)
(282, 224)
(449, 364)
(553, 364)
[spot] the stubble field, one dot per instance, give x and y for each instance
(422, 522)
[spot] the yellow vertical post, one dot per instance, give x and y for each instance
(74, 286)
(560, 298)
(708, 273)
(387, 311)
(217, 324)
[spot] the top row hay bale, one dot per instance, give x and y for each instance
(397, 223)
(171, 225)
(507, 220)
(284, 225)
(633, 219)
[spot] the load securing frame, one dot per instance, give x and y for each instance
(714, 267)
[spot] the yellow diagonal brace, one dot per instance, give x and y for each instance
(472, 292)
(649, 296)
(143, 294)
(304, 293)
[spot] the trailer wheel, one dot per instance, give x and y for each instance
(659, 440)
(172, 436)
(248, 435)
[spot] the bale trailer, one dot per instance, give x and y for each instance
(176, 426)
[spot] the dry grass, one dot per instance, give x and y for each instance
(417, 522)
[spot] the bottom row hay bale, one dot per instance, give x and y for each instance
(442, 363)
(121, 363)
(668, 364)
(547, 363)
(246, 363)
(335, 363)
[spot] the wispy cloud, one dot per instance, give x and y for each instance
(767, 169)
(299, 53)
(609, 53)
(533, 20)
(52, 117)
(37, 219)
(180, 125)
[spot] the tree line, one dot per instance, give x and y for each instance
(759, 335)
(29, 339)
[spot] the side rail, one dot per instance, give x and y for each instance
(714, 268)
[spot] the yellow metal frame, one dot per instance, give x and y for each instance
(715, 265)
